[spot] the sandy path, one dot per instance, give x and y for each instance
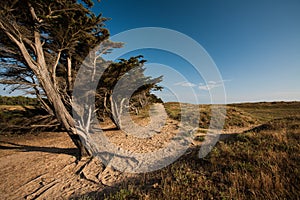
(40, 167)
(43, 166)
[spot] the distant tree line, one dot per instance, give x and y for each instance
(19, 100)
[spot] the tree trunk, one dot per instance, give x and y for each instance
(54, 69)
(117, 111)
(114, 116)
(110, 110)
(61, 112)
(69, 72)
(55, 99)
(39, 67)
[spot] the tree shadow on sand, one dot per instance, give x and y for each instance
(150, 181)
(269, 150)
(29, 148)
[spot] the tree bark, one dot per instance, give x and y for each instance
(113, 114)
(54, 69)
(69, 72)
(62, 114)
(39, 67)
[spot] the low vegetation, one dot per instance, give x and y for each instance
(260, 163)
(19, 100)
(254, 165)
(235, 116)
(25, 119)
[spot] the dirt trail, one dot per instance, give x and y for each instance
(41, 167)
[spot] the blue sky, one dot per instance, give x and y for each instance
(254, 44)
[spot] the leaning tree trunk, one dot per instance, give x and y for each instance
(116, 111)
(61, 112)
(111, 110)
(40, 69)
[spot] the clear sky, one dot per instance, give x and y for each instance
(255, 44)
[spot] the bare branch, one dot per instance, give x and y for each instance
(54, 68)
(39, 50)
(30, 43)
(21, 46)
(34, 14)
(69, 72)
(11, 82)
(7, 50)
(8, 33)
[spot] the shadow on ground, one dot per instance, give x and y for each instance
(28, 148)
(260, 163)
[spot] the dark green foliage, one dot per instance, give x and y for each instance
(43, 44)
(68, 32)
(127, 75)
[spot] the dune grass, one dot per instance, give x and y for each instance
(259, 164)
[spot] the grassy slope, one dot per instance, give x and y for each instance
(262, 163)
(270, 110)
(235, 116)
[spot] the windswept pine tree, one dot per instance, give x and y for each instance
(42, 47)
(124, 84)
